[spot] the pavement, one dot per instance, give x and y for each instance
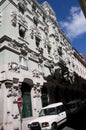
(67, 128)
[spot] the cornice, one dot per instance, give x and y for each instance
(4, 46)
(78, 56)
(9, 48)
(39, 6)
(4, 38)
(65, 36)
(13, 3)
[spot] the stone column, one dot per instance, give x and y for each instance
(36, 99)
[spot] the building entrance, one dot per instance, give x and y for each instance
(44, 96)
(26, 96)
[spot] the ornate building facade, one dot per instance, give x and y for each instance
(37, 62)
(83, 6)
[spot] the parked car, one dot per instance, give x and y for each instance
(73, 106)
(84, 102)
(50, 117)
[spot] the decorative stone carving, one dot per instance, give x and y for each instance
(34, 31)
(33, 56)
(16, 83)
(14, 18)
(8, 84)
(55, 54)
(47, 63)
(46, 42)
(40, 55)
(71, 77)
(13, 88)
(13, 66)
(51, 67)
(24, 49)
(57, 36)
(41, 62)
(22, 21)
(46, 29)
(22, 4)
(12, 92)
(13, 44)
(35, 18)
(36, 73)
(37, 90)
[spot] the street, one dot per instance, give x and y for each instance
(76, 121)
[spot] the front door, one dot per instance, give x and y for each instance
(44, 97)
(26, 96)
(27, 110)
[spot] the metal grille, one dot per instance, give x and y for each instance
(35, 126)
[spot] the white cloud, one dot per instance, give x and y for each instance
(75, 24)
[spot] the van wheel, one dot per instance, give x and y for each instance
(54, 126)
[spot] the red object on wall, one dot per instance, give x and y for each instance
(19, 101)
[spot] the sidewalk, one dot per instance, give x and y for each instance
(67, 128)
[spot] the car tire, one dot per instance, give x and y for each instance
(54, 126)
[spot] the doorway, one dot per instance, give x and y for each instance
(26, 96)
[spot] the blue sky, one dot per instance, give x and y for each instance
(71, 20)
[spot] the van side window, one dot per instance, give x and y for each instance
(60, 109)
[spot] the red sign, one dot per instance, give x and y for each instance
(19, 101)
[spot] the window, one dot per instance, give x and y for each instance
(43, 18)
(35, 22)
(22, 31)
(37, 41)
(33, 8)
(21, 8)
(49, 49)
(60, 109)
(60, 51)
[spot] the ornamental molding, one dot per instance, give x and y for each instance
(33, 56)
(36, 73)
(22, 21)
(46, 42)
(40, 57)
(37, 90)
(34, 31)
(47, 63)
(14, 18)
(35, 18)
(46, 30)
(13, 44)
(22, 4)
(24, 49)
(8, 84)
(13, 66)
(55, 54)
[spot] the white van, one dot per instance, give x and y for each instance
(50, 117)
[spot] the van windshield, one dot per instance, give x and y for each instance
(48, 111)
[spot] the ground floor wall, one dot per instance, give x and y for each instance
(12, 86)
(35, 93)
